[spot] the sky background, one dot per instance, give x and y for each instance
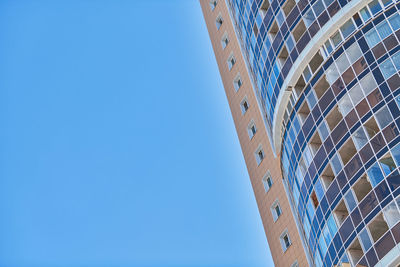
(117, 146)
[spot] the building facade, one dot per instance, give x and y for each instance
(314, 90)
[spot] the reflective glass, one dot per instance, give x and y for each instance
(332, 225)
(368, 84)
(319, 190)
(347, 28)
(395, 21)
(342, 63)
(360, 139)
(383, 117)
(375, 7)
(354, 52)
(309, 18)
(365, 14)
(384, 29)
(396, 154)
(336, 164)
(391, 214)
(365, 240)
(345, 105)
(332, 74)
(372, 38)
(336, 39)
(356, 94)
(375, 174)
(387, 68)
(351, 203)
(396, 60)
(323, 130)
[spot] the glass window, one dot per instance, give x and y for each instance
(345, 105)
(251, 129)
(332, 225)
(259, 155)
(342, 63)
(347, 28)
(289, 43)
(244, 106)
(310, 208)
(387, 68)
(365, 240)
(384, 29)
(309, 18)
(323, 130)
(396, 154)
(365, 14)
(386, 2)
(319, 190)
(332, 74)
(285, 241)
(372, 37)
(318, 8)
(354, 52)
(327, 235)
(391, 214)
(375, 174)
(311, 99)
(276, 210)
(336, 39)
(396, 60)
(360, 139)
(322, 246)
(350, 201)
(307, 74)
(387, 164)
(356, 94)
(328, 47)
(375, 7)
(395, 21)
(336, 164)
(368, 84)
(383, 117)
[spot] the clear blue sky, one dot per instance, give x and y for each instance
(117, 147)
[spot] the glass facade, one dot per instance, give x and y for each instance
(340, 147)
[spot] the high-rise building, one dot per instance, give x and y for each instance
(314, 91)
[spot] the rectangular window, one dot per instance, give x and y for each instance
(219, 21)
(213, 4)
(276, 210)
(267, 181)
(244, 106)
(285, 240)
(259, 154)
(225, 41)
(237, 83)
(251, 129)
(231, 62)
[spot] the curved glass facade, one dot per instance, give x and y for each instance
(340, 147)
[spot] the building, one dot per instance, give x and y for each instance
(313, 87)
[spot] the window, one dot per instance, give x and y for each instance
(288, 6)
(251, 129)
(285, 240)
(259, 155)
(276, 210)
(213, 4)
(264, 7)
(225, 41)
(231, 61)
(295, 264)
(244, 105)
(237, 83)
(267, 181)
(219, 21)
